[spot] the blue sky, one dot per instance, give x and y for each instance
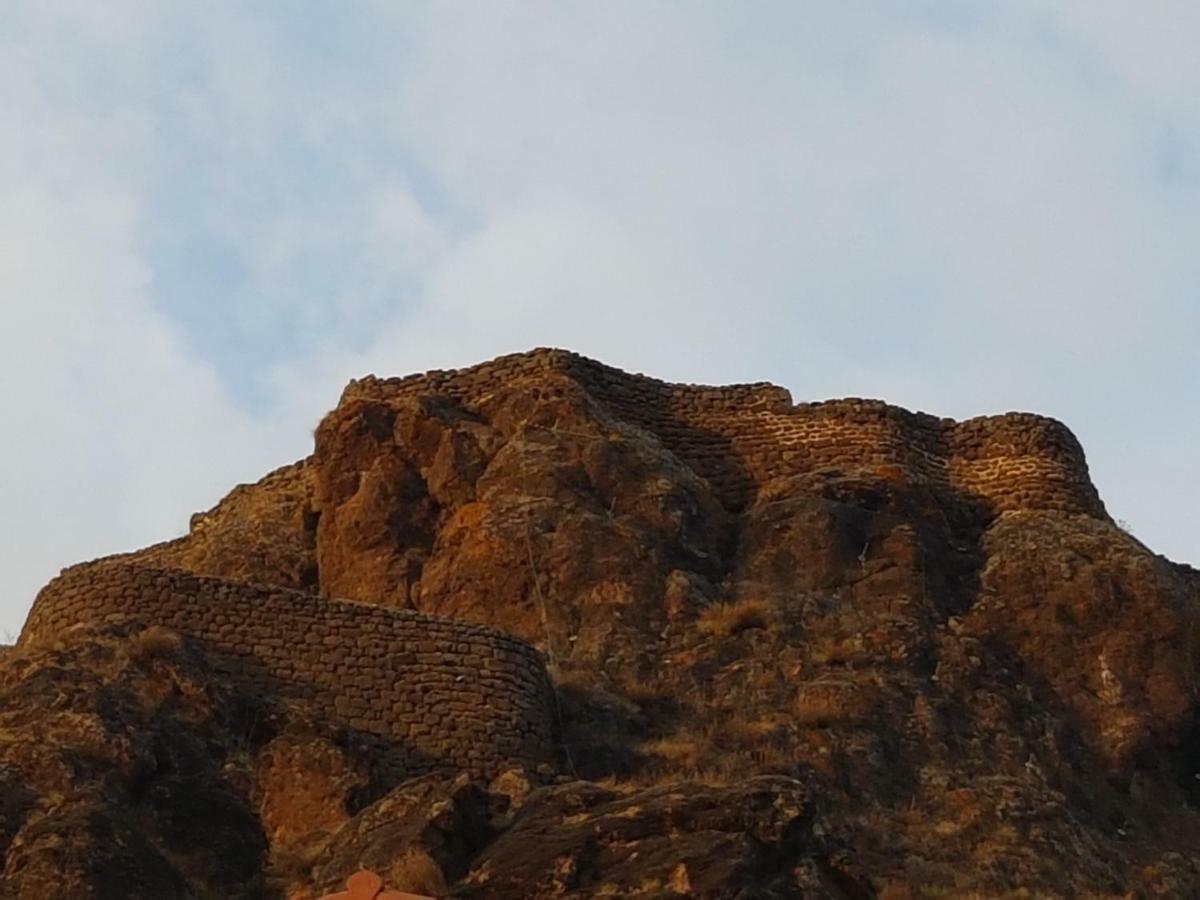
(213, 215)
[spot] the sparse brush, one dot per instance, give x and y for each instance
(729, 619)
(416, 871)
(822, 702)
(683, 752)
(722, 751)
(154, 642)
(295, 862)
(756, 730)
(639, 691)
(895, 890)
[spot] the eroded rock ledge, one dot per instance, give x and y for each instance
(814, 649)
(741, 437)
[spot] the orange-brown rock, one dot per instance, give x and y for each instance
(798, 649)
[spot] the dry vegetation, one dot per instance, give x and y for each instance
(829, 700)
(740, 693)
(730, 619)
(154, 642)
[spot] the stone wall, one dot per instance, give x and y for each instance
(444, 693)
(742, 436)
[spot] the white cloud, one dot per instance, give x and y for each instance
(115, 432)
(962, 216)
(952, 207)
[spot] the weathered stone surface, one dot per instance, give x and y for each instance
(393, 674)
(549, 495)
(124, 765)
(811, 649)
(306, 783)
(760, 838)
(1128, 617)
(420, 838)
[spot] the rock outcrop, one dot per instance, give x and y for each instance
(815, 649)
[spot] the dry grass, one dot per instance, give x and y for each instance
(680, 752)
(154, 642)
(754, 730)
(721, 751)
(823, 702)
(729, 619)
(639, 692)
(894, 890)
(932, 892)
(294, 863)
(416, 872)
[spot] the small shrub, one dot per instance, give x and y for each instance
(749, 731)
(416, 871)
(896, 890)
(822, 702)
(729, 619)
(295, 862)
(154, 642)
(682, 751)
(638, 691)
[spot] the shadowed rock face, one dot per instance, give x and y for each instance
(809, 649)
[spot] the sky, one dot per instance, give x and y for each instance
(214, 215)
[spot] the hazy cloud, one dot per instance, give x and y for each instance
(210, 219)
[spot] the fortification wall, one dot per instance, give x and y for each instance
(445, 693)
(741, 436)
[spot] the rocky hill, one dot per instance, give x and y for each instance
(541, 628)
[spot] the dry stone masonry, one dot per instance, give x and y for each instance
(740, 437)
(448, 694)
(461, 695)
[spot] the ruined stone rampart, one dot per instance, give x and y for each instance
(444, 693)
(742, 436)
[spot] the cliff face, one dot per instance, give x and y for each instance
(805, 649)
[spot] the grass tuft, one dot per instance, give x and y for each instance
(730, 619)
(154, 642)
